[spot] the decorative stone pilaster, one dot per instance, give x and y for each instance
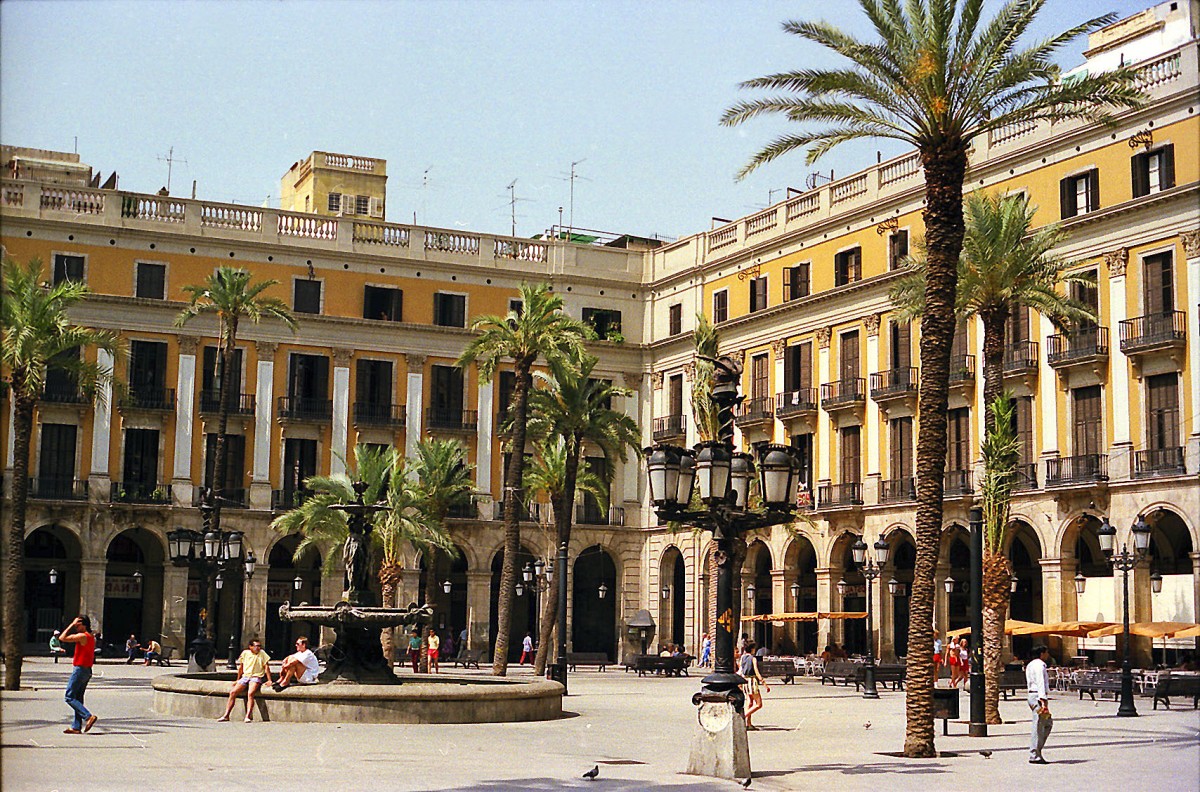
(824, 335)
(1115, 262)
(872, 322)
(188, 344)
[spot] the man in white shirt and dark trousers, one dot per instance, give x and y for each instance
(1038, 681)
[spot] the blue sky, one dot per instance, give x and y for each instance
(479, 93)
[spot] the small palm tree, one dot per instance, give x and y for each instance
(1006, 266)
(704, 411)
(935, 76)
(443, 482)
(37, 331)
(1001, 452)
(539, 330)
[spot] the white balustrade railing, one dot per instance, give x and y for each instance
(150, 207)
(364, 164)
(452, 242)
(13, 195)
(763, 221)
(722, 236)
(520, 250)
(850, 188)
(65, 199)
(307, 226)
(899, 170)
(1157, 72)
(803, 205)
(1017, 129)
(381, 234)
(237, 218)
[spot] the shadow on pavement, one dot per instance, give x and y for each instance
(601, 783)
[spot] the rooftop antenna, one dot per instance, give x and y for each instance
(424, 196)
(170, 160)
(512, 202)
(571, 204)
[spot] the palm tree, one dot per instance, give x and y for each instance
(704, 412)
(1006, 266)
(935, 77)
(230, 294)
(37, 330)
(443, 482)
(575, 410)
(540, 329)
(323, 527)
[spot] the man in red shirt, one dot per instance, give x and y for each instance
(79, 632)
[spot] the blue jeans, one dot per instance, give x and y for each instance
(76, 687)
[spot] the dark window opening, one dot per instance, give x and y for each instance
(604, 321)
(151, 281)
(897, 249)
(720, 309)
(1079, 194)
(449, 310)
(1153, 171)
(382, 303)
(758, 294)
(675, 319)
(67, 268)
(306, 296)
(847, 267)
(796, 281)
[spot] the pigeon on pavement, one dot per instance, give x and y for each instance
(591, 774)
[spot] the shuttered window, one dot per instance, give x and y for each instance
(1079, 194)
(1087, 294)
(720, 309)
(1153, 171)
(151, 281)
(758, 294)
(797, 367)
(958, 439)
(847, 267)
(796, 281)
(1087, 421)
(675, 319)
(382, 303)
(1159, 284)
(308, 377)
(897, 249)
(759, 387)
(900, 430)
(901, 345)
(849, 358)
(449, 310)
(306, 296)
(675, 395)
(1023, 428)
(1162, 398)
(851, 448)
(210, 377)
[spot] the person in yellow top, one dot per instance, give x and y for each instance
(435, 648)
(254, 669)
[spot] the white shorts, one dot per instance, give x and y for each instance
(309, 677)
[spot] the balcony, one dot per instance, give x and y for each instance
(464, 509)
(1026, 477)
(1086, 346)
(526, 512)
(138, 492)
(1020, 359)
(443, 420)
(1082, 469)
(669, 427)
(149, 399)
(1153, 333)
(962, 371)
(240, 404)
(288, 499)
(956, 483)
(230, 498)
(901, 490)
(374, 414)
(839, 496)
(797, 403)
(305, 409)
(63, 489)
(590, 514)
(893, 385)
(1158, 462)
(844, 394)
(754, 412)
(63, 393)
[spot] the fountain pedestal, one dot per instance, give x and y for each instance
(356, 655)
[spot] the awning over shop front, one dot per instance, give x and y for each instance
(810, 616)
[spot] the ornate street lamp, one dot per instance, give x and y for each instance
(871, 569)
(297, 583)
(795, 589)
(666, 592)
(53, 576)
(1013, 585)
(751, 590)
(1156, 580)
(446, 586)
(602, 592)
(896, 588)
(1125, 560)
(949, 584)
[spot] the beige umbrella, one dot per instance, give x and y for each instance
(1070, 629)
(1145, 629)
(809, 616)
(1009, 626)
(1188, 632)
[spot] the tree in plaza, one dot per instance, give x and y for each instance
(443, 482)
(386, 474)
(574, 411)
(935, 76)
(231, 296)
(38, 335)
(539, 329)
(1006, 266)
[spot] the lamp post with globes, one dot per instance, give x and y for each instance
(1125, 561)
(871, 569)
(722, 479)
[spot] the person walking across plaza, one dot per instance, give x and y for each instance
(937, 657)
(79, 632)
(526, 648)
(1037, 679)
(414, 650)
(435, 650)
(253, 671)
(705, 651)
(748, 668)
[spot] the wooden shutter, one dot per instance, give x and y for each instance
(901, 345)
(902, 448)
(1093, 179)
(1139, 166)
(1166, 169)
(1066, 197)
(849, 358)
(804, 378)
(1087, 420)
(396, 306)
(56, 460)
(758, 377)
(851, 455)
(675, 396)
(1162, 397)
(1159, 284)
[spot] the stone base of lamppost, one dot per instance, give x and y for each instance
(202, 655)
(720, 748)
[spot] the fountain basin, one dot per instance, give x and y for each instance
(429, 698)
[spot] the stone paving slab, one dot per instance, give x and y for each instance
(636, 729)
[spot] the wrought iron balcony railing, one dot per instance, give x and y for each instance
(1080, 469)
(590, 514)
(304, 408)
(52, 488)
(1159, 462)
(669, 426)
(239, 403)
(63, 393)
(1026, 478)
(142, 398)
(958, 482)
(901, 490)
(1153, 332)
(898, 383)
(287, 499)
(377, 414)
(444, 420)
(839, 495)
(757, 410)
(843, 393)
(1020, 357)
(796, 402)
(1084, 345)
(962, 370)
(138, 492)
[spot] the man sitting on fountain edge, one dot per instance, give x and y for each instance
(298, 668)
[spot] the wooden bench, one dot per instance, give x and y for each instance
(885, 673)
(165, 657)
(1175, 685)
(469, 657)
(1098, 682)
(596, 659)
(842, 671)
(664, 666)
(1012, 680)
(784, 669)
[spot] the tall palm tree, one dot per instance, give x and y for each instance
(575, 413)
(229, 294)
(934, 76)
(704, 412)
(385, 472)
(37, 330)
(1006, 266)
(540, 329)
(443, 482)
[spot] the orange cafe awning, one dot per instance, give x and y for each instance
(809, 616)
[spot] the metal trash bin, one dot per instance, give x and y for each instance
(945, 706)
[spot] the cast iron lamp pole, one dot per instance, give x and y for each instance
(871, 569)
(722, 479)
(978, 725)
(1125, 560)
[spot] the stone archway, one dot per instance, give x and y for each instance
(450, 609)
(902, 559)
(133, 587)
(49, 605)
(525, 613)
(800, 569)
(594, 622)
(1025, 601)
(1171, 556)
(756, 572)
(672, 603)
(282, 571)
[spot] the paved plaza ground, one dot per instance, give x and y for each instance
(636, 730)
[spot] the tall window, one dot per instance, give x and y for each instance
(1087, 421)
(1079, 194)
(151, 281)
(851, 457)
(900, 430)
(210, 376)
(1158, 278)
(449, 310)
(897, 249)
(958, 439)
(373, 383)
(299, 462)
(507, 382)
(759, 387)
(604, 321)
(67, 268)
(1086, 293)
(1018, 326)
(796, 281)
(308, 378)
(901, 345)
(720, 309)
(847, 267)
(849, 362)
(383, 303)
(306, 296)
(803, 443)
(446, 392)
(797, 367)
(147, 370)
(675, 395)
(758, 294)
(235, 461)
(1162, 402)
(56, 458)
(1153, 171)
(675, 319)
(140, 468)
(1023, 428)
(62, 385)
(961, 345)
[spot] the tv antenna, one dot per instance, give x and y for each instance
(571, 197)
(512, 203)
(813, 179)
(170, 160)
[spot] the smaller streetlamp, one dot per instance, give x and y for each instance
(1156, 580)
(137, 575)
(795, 589)
(250, 563)
(896, 588)
(549, 570)
(53, 576)
(527, 572)
(843, 587)
(666, 592)
(871, 569)
(1080, 584)
(220, 582)
(602, 591)
(1012, 586)
(1125, 561)
(446, 586)
(520, 589)
(751, 590)
(297, 583)
(949, 585)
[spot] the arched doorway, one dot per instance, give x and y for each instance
(50, 604)
(756, 572)
(282, 571)
(594, 622)
(450, 610)
(133, 587)
(800, 563)
(1170, 556)
(524, 613)
(852, 589)
(672, 578)
(958, 558)
(1025, 599)
(901, 562)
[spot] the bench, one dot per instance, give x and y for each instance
(784, 669)
(1012, 680)
(885, 673)
(1098, 682)
(596, 659)
(168, 654)
(664, 666)
(469, 657)
(842, 671)
(1175, 685)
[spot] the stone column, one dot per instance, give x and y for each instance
(1120, 455)
(1047, 393)
(479, 593)
(10, 455)
(778, 351)
(1191, 249)
(871, 436)
(185, 406)
(254, 606)
(414, 404)
(264, 406)
(1059, 601)
(174, 623)
(91, 591)
(631, 469)
(779, 598)
(484, 436)
(825, 452)
(340, 427)
(98, 478)
(825, 593)
(885, 615)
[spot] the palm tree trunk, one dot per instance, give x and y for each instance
(996, 581)
(945, 168)
(512, 525)
(14, 562)
(389, 583)
(993, 363)
(229, 338)
(431, 589)
(563, 522)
